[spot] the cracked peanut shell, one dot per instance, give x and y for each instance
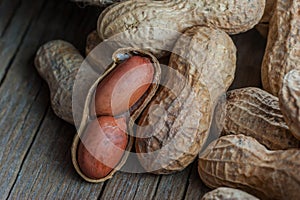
(89, 109)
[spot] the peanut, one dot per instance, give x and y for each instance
(241, 162)
(283, 47)
(154, 25)
(174, 125)
(224, 193)
(127, 86)
(102, 146)
(58, 63)
(124, 86)
(289, 99)
(256, 113)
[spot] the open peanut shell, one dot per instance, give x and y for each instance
(89, 110)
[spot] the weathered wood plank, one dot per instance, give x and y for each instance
(196, 188)
(47, 172)
(7, 11)
(147, 186)
(150, 186)
(24, 102)
(173, 186)
(130, 186)
(15, 32)
(21, 113)
(43, 176)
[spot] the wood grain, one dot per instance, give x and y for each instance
(15, 31)
(7, 11)
(196, 188)
(25, 98)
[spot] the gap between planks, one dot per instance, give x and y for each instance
(12, 70)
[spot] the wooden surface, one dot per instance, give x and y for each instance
(35, 161)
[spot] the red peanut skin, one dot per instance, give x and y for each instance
(102, 147)
(124, 86)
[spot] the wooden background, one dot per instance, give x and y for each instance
(35, 161)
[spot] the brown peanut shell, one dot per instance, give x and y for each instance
(174, 125)
(225, 193)
(241, 162)
(89, 110)
(151, 24)
(289, 100)
(58, 63)
(283, 47)
(256, 113)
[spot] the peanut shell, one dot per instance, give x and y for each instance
(241, 162)
(283, 47)
(256, 113)
(58, 63)
(289, 99)
(174, 125)
(225, 193)
(89, 110)
(156, 25)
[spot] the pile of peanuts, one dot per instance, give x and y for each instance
(258, 150)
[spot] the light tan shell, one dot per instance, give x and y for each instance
(241, 162)
(174, 125)
(256, 113)
(283, 47)
(58, 63)
(156, 25)
(225, 193)
(289, 99)
(89, 111)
